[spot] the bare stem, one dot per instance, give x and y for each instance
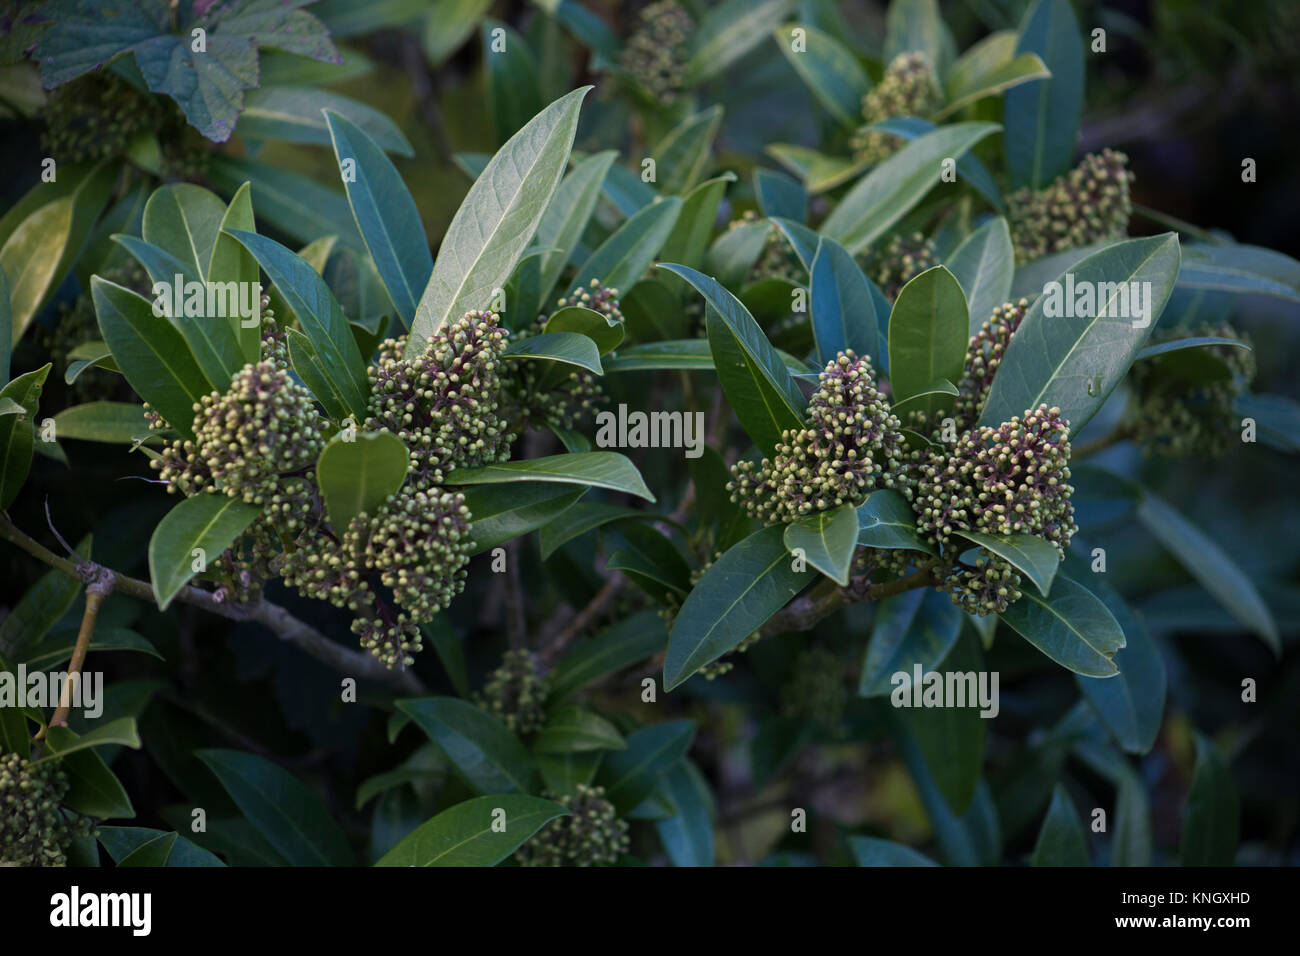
(276, 619)
(584, 619)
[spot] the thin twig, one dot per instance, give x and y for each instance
(584, 619)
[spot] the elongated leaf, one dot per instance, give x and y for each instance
(185, 220)
(597, 469)
(296, 205)
(869, 851)
(1061, 841)
(969, 168)
(6, 327)
(915, 627)
(630, 775)
(319, 314)
(830, 71)
(209, 523)
(827, 540)
(780, 196)
(231, 262)
(292, 114)
(122, 843)
(733, 254)
(628, 642)
(568, 348)
(57, 649)
(737, 594)
(951, 738)
(984, 264)
(567, 215)
(1240, 268)
(93, 789)
(1277, 419)
(305, 362)
(917, 25)
(625, 256)
(843, 311)
(572, 729)
(487, 755)
(885, 520)
(40, 607)
(1211, 566)
(886, 194)
(682, 156)
(386, 215)
(287, 814)
(690, 236)
(500, 513)
(927, 339)
(1072, 627)
(495, 223)
(818, 172)
(482, 831)
(122, 733)
(729, 31)
(687, 836)
(1004, 76)
(1194, 342)
(117, 422)
(1072, 361)
(1210, 821)
(360, 475)
(1042, 117)
(1034, 556)
(151, 353)
(684, 354)
(17, 437)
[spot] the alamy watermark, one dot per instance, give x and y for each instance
(626, 429)
(83, 691)
(195, 299)
(1086, 300)
(922, 688)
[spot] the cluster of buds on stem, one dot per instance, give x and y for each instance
(591, 835)
(1088, 204)
(908, 88)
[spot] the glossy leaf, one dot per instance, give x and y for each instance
(927, 339)
(471, 833)
(116, 422)
(567, 215)
(360, 475)
(573, 730)
(17, 437)
(628, 642)
(827, 541)
(596, 469)
(1041, 118)
(500, 513)
(1072, 627)
(831, 72)
(486, 754)
(915, 627)
(208, 522)
(629, 775)
(1035, 557)
(625, 256)
(885, 520)
(843, 311)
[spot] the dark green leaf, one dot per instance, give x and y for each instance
(1034, 556)
(482, 831)
(487, 755)
(830, 71)
(915, 627)
(1210, 821)
(885, 520)
(1072, 627)
(1042, 117)
(596, 469)
(205, 523)
(927, 339)
(628, 642)
(984, 264)
(1061, 841)
(360, 475)
(629, 775)
(843, 311)
(827, 540)
(500, 513)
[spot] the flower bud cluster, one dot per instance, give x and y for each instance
(33, 828)
(983, 356)
(908, 88)
(1013, 479)
(850, 446)
(655, 54)
(516, 692)
(777, 260)
(900, 261)
(592, 835)
(1174, 417)
(443, 403)
(1088, 204)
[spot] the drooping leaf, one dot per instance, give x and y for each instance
(196, 531)
(1072, 627)
(17, 435)
(827, 541)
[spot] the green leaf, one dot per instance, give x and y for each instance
(843, 311)
(572, 729)
(1074, 362)
(727, 32)
(288, 815)
(495, 223)
(781, 197)
(596, 469)
(301, 208)
(607, 333)
(830, 71)
(319, 314)
(686, 354)
(828, 540)
(689, 240)
(629, 775)
(963, 90)
(184, 221)
(688, 835)
(1061, 841)
(1034, 556)
(625, 256)
(122, 733)
(360, 475)
(471, 833)
(207, 522)
(40, 607)
(1072, 627)
(885, 195)
(1240, 268)
(917, 25)
(93, 789)
(386, 216)
(568, 214)
(1041, 118)
(630, 641)
(1211, 566)
(870, 851)
(927, 339)
(17, 436)
(1194, 342)
(487, 755)
(292, 114)
(122, 843)
(151, 353)
(447, 25)
(58, 648)
(683, 154)
(984, 264)
(155, 852)
(818, 172)
(915, 627)
(116, 422)
(231, 262)
(885, 520)
(1211, 819)
(500, 513)
(736, 595)
(969, 168)
(513, 85)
